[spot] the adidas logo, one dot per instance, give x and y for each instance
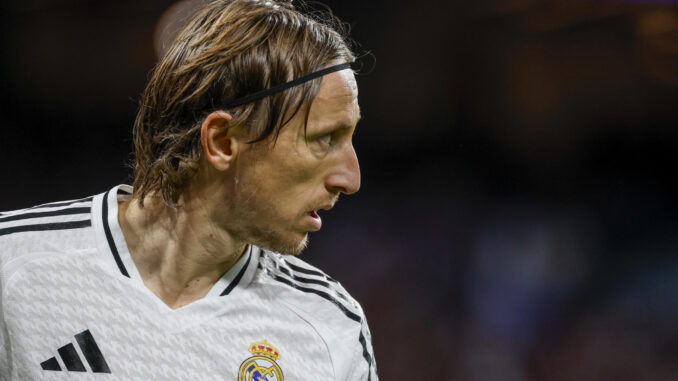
(71, 359)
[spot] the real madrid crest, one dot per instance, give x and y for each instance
(262, 365)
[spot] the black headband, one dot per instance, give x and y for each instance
(284, 86)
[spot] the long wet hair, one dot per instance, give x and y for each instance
(229, 49)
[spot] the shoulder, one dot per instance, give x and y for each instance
(54, 226)
(335, 314)
(309, 281)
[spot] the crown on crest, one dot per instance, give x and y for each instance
(263, 348)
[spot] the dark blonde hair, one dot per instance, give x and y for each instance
(230, 49)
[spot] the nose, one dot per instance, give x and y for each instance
(346, 176)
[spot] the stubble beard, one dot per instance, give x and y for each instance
(253, 226)
(275, 241)
(257, 222)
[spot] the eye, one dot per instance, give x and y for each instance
(325, 139)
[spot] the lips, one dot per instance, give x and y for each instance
(314, 221)
(314, 212)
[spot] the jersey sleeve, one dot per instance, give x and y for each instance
(5, 370)
(364, 365)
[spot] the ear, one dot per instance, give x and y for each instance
(219, 145)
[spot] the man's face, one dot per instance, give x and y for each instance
(278, 190)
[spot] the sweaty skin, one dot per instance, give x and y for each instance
(263, 194)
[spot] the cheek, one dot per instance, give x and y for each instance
(285, 179)
(291, 172)
(292, 188)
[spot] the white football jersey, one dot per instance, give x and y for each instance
(73, 306)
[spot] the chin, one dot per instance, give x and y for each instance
(301, 246)
(282, 245)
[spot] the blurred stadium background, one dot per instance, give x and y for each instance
(518, 214)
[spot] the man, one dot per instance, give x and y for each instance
(243, 134)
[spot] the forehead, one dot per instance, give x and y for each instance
(337, 99)
(338, 84)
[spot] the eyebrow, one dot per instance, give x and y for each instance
(341, 125)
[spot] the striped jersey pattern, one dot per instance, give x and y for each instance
(72, 303)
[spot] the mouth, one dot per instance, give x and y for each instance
(312, 216)
(314, 220)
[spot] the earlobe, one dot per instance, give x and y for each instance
(218, 143)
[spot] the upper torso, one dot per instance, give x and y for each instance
(71, 298)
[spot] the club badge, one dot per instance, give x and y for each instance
(262, 365)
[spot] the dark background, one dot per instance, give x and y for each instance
(518, 211)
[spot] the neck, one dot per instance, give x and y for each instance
(179, 252)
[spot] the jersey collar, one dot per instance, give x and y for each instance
(112, 246)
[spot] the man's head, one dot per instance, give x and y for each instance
(271, 163)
